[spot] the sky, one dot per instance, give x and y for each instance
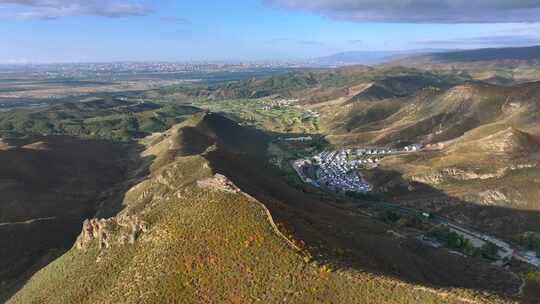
(43, 31)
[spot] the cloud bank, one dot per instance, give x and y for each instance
(421, 11)
(53, 9)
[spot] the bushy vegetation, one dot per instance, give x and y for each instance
(363, 196)
(453, 240)
(293, 83)
(390, 217)
(205, 246)
(457, 242)
(530, 241)
(105, 118)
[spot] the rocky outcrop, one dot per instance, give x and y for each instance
(492, 197)
(460, 174)
(110, 232)
(218, 182)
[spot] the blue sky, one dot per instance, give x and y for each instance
(96, 30)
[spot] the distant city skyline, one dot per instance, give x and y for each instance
(59, 31)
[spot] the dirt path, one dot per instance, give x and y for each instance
(521, 286)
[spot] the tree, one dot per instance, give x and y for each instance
(455, 241)
(490, 251)
(391, 217)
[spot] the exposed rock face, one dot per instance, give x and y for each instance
(460, 174)
(492, 197)
(218, 182)
(110, 231)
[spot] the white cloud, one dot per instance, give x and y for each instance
(52, 9)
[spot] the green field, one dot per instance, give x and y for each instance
(287, 119)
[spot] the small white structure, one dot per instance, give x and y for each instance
(304, 138)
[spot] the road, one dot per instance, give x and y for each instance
(505, 250)
(31, 221)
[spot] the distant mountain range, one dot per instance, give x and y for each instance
(510, 56)
(421, 57)
(487, 54)
(368, 57)
(495, 65)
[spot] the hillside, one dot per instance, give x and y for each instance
(185, 235)
(49, 186)
(490, 54)
(310, 86)
(496, 65)
(102, 118)
(204, 199)
(433, 115)
(482, 142)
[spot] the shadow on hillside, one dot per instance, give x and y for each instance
(335, 230)
(496, 220)
(332, 227)
(47, 193)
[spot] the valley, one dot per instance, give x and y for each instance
(312, 185)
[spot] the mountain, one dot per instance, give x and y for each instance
(184, 233)
(489, 54)
(160, 201)
(49, 186)
(315, 85)
(482, 142)
(365, 57)
(496, 65)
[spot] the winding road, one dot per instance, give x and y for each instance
(31, 221)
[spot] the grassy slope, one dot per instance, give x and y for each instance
(316, 85)
(205, 246)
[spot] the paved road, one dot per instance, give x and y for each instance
(503, 246)
(31, 221)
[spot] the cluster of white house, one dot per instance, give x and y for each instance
(293, 139)
(369, 151)
(383, 151)
(337, 172)
(268, 105)
(413, 148)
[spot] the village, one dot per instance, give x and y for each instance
(339, 170)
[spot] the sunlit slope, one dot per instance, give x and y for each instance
(180, 240)
(503, 66)
(433, 115)
(481, 163)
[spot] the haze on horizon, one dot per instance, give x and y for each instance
(42, 31)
